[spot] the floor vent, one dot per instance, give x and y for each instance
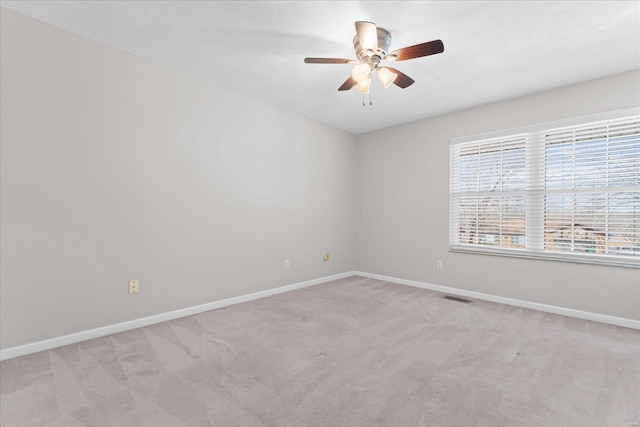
(464, 300)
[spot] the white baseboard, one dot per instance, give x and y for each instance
(48, 344)
(596, 317)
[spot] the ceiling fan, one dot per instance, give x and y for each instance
(372, 46)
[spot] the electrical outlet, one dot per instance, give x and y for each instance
(286, 264)
(439, 264)
(134, 286)
(326, 257)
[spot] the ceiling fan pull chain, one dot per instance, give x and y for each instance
(363, 104)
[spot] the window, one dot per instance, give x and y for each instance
(567, 191)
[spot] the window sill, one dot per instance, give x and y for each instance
(625, 262)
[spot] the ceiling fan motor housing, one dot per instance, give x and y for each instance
(384, 41)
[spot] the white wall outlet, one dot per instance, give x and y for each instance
(326, 257)
(439, 264)
(134, 286)
(286, 264)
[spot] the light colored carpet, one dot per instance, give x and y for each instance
(354, 352)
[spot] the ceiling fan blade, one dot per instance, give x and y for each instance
(416, 51)
(328, 61)
(367, 36)
(402, 81)
(348, 84)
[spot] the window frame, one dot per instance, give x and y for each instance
(534, 199)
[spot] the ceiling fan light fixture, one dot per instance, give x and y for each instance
(386, 76)
(361, 72)
(363, 86)
(372, 44)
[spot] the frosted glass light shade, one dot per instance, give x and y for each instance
(386, 76)
(360, 72)
(363, 86)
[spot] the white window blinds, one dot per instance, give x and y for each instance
(570, 193)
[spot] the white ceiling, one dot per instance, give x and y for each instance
(494, 50)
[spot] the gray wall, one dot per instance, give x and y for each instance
(403, 187)
(117, 168)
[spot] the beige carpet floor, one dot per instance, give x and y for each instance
(353, 352)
